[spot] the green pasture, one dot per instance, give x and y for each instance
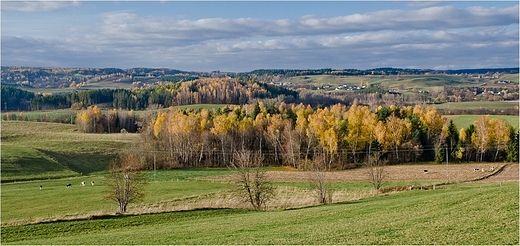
(51, 115)
(28, 148)
(484, 213)
(511, 77)
(498, 105)
(43, 115)
(55, 200)
(464, 121)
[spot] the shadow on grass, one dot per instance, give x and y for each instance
(82, 163)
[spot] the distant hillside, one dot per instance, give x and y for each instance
(76, 78)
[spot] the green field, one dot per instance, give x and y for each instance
(462, 214)
(499, 105)
(60, 150)
(43, 115)
(464, 121)
(53, 155)
(51, 115)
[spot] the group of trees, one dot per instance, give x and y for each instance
(199, 91)
(290, 134)
(93, 120)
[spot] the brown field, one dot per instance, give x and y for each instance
(407, 173)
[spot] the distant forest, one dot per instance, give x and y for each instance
(170, 87)
(202, 91)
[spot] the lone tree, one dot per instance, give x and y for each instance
(125, 181)
(253, 186)
(320, 187)
(375, 169)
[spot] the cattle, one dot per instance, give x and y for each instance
(475, 170)
(92, 183)
(425, 171)
(69, 185)
(83, 183)
(491, 168)
(41, 187)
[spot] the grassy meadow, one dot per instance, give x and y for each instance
(464, 121)
(197, 206)
(35, 150)
(460, 214)
(497, 105)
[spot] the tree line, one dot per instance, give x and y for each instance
(214, 90)
(297, 134)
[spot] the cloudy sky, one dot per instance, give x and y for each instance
(242, 36)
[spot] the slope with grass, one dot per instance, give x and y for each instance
(32, 149)
(464, 121)
(459, 214)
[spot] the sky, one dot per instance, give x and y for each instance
(241, 36)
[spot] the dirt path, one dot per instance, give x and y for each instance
(509, 174)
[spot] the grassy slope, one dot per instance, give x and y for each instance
(54, 200)
(498, 105)
(464, 121)
(461, 214)
(57, 146)
(409, 82)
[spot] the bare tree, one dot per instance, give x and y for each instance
(253, 186)
(320, 187)
(375, 169)
(125, 181)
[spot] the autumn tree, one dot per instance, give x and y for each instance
(325, 127)
(482, 136)
(222, 126)
(252, 184)
(273, 133)
(125, 181)
(90, 120)
(361, 125)
(291, 144)
(501, 136)
(433, 121)
(184, 135)
(392, 134)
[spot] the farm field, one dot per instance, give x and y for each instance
(184, 189)
(454, 215)
(51, 115)
(406, 82)
(498, 105)
(59, 147)
(464, 121)
(196, 206)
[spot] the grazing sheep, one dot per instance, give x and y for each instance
(475, 170)
(92, 183)
(83, 183)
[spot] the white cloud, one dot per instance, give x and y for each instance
(138, 29)
(37, 6)
(430, 37)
